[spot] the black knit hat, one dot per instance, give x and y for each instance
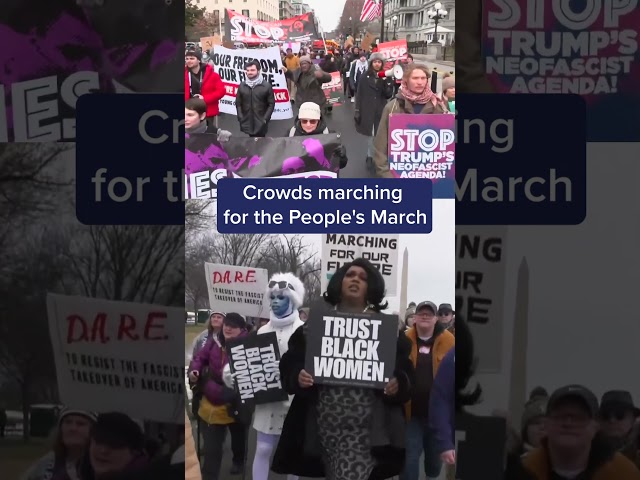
(118, 430)
(194, 53)
(235, 320)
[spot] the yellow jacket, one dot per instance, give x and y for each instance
(292, 63)
(191, 462)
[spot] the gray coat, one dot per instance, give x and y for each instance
(309, 87)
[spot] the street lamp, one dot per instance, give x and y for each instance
(395, 26)
(436, 14)
(386, 24)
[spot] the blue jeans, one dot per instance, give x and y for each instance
(420, 440)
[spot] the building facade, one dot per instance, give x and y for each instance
(286, 9)
(408, 19)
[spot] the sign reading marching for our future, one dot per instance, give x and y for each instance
(351, 349)
(207, 161)
(237, 289)
(381, 250)
(480, 444)
(118, 356)
(255, 363)
(480, 288)
(423, 146)
(584, 48)
(230, 65)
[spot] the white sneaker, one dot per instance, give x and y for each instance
(353, 100)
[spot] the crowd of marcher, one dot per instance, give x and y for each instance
(329, 431)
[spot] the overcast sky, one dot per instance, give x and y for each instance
(584, 324)
(328, 12)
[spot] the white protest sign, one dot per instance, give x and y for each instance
(119, 356)
(381, 250)
(237, 289)
(480, 289)
(229, 64)
(294, 46)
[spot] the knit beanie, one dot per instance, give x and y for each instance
(305, 58)
(290, 285)
(309, 111)
(74, 411)
(376, 56)
(194, 53)
(448, 82)
(410, 311)
(235, 320)
(533, 410)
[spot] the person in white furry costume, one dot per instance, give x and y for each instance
(286, 295)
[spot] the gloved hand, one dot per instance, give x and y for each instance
(223, 135)
(356, 118)
(341, 154)
(227, 377)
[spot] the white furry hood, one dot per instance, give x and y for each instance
(296, 293)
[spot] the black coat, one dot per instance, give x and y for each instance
(255, 107)
(372, 95)
(299, 452)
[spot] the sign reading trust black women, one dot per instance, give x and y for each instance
(255, 361)
(351, 349)
(207, 161)
(480, 443)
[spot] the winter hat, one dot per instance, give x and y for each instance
(217, 312)
(305, 58)
(410, 311)
(74, 411)
(448, 82)
(288, 283)
(377, 56)
(194, 53)
(533, 410)
(309, 111)
(118, 430)
(235, 320)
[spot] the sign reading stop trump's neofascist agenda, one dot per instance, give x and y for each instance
(255, 363)
(351, 349)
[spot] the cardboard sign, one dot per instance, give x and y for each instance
(480, 446)
(367, 41)
(351, 349)
(255, 361)
(237, 289)
(209, 42)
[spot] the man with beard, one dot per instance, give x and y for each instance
(255, 102)
(200, 81)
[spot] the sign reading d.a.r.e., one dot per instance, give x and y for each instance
(351, 349)
(255, 363)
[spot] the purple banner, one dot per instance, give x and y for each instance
(423, 146)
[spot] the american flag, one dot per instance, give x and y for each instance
(371, 10)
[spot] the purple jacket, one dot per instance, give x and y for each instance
(442, 404)
(214, 357)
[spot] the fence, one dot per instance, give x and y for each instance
(448, 52)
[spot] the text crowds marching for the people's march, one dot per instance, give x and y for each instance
(117, 356)
(237, 289)
(351, 349)
(255, 366)
(381, 250)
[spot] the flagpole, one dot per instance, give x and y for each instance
(382, 22)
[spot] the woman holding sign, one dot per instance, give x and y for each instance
(345, 432)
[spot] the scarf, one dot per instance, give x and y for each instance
(361, 66)
(284, 321)
(253, 83)
(419, 98)
(202, 128)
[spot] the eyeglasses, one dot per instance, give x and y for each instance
(425, 315)
(305, 121)
(282, 285)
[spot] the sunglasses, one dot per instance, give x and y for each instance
(312, 122)
(281, 285)
(614, 414)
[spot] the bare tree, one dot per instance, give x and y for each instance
(198, 215)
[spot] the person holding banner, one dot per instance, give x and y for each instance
(372, 94)
(255, 102)
(415, 97)
(200, 81)
(214, 406)
(345, 432)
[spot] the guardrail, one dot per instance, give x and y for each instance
(448, 52)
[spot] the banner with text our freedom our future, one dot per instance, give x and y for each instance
(207, 161)
(237, 289)
(351, 349)
(255, 363)
(423, 146)
(588, 48)
(239, 28)
(118, 356)
(230, 65)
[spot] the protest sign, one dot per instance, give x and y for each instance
(255, 361)
(208, 43)
(237, 289)
(118, 356)
(206, 161)
(423, 146)
(294, 46)
(351, 349)
(381, 250)
(480, 446)
(549, 47)
(230, 65)
(240, 28)
(367, 41)
(480, 289)
(333, 89)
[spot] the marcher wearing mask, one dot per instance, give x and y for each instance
(311, 122)
(448, 95)
(357, 70)
(618, 417)
(200, 81)
(372, 95)
(415, 97)
(195, 112)
(573, 447)
(308, 81)
(255, 102)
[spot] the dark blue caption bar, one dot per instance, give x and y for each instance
(521, 160)
(271, 205)
(129, 159)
